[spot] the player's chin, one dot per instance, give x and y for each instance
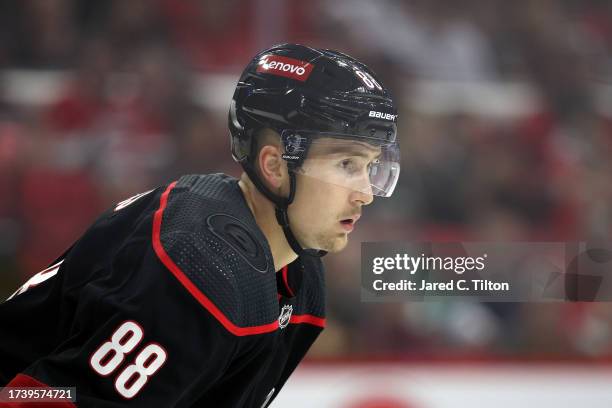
(331, 243)
(337, 244)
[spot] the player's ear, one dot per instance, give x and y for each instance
(272, 167)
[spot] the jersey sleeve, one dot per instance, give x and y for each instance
(137, 338)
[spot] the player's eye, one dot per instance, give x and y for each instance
(348, 165)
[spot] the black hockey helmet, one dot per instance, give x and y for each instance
(312, 96)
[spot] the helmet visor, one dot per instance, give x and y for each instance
(370, 166)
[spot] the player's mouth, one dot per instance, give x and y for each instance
(349, 223)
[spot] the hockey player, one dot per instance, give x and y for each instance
(208, 292)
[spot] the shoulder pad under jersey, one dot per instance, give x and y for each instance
(205, 234)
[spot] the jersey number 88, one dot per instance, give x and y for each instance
(109, 356)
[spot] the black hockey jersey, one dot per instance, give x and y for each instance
(170, 299)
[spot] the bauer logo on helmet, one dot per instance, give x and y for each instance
(381, 115)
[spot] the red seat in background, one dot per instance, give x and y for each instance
(57, 206)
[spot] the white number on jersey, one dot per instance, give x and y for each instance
(37, 279)
(130, 200)
(111, 354)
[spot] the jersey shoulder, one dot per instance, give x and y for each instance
(206, 236)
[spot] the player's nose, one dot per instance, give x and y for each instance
(363, 196)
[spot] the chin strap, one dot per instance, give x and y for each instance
(282, 216)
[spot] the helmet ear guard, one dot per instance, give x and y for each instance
(240, 144)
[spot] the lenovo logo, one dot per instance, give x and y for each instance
(285, 66)
(380, 115)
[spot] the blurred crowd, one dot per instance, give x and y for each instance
(479, 163)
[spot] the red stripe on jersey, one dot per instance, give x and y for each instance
(23, 380)
(186, 282)
(310, 319)
(285, 268)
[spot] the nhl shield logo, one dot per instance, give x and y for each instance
(285, 316)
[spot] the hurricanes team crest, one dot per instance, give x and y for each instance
(285, 316)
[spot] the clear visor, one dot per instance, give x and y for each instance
(352, 162)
